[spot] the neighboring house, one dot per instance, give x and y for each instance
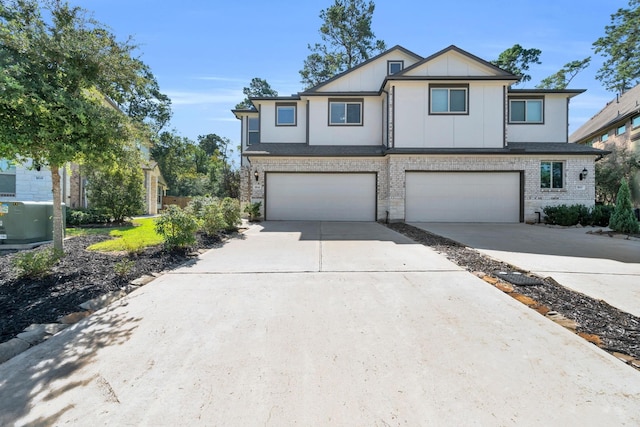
(616, 125)
(406, 138)
(24, 183)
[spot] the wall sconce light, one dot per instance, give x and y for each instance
(583, 174)
(257, 175)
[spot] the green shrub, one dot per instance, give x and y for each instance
(253, 209)
(177, 227)
(122, 268)
(600, 215)
(567, 215)
(622, 219)
(76, 217)
(230, 209)
(213, 219)
(36, 264)
(198, 205)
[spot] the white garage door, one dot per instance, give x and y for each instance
(462, 197)
(321, 196)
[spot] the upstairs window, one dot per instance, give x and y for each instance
(253, 131)
(635, 122)
(604, 136)
(394, 67)
(621, 129)
(526, 111)
(448, 100)
(552, 175)
(345, 113)
(7, 178)
(286, 114)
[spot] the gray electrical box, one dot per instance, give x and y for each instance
(26, 222)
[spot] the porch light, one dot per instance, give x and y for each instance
(583, 174)
(257, 175)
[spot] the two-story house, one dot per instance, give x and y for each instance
(616, 126)
(406, 138)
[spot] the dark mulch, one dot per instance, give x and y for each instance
(81, 275)
(618, 331)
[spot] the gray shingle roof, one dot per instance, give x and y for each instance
(617, 110)
(304, 150)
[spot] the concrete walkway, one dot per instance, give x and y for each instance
(602, 267)
(318, 324)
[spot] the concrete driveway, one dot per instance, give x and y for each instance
(599, 266)
(318, 324)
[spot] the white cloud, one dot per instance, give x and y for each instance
(198, 98)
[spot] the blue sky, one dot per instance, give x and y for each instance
(204, 52)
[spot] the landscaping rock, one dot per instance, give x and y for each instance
(12, 348)
(102, 301)
(72, 318)
(141, 281)
(35, 334)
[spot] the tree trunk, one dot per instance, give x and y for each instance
(57, 207)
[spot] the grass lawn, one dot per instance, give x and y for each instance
(128, 238)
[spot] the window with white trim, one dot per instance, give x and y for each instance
(526, 111)
(345, 113)
(253, 130)
(552, 175)
(448, 100)
(286, 114)
(394, 67)
(7, 178)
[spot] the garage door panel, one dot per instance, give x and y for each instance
(321, 196)
(463, 197)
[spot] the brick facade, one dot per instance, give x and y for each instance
(391, 171)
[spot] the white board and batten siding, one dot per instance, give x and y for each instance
(320, 196)
(463, 197)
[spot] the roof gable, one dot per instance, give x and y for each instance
(453, 61)
(616, 110)
(367, 76)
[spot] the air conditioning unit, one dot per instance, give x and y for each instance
(24, 223)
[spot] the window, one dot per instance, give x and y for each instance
(525, 111)
(604, 136)
(448, 100)
(345, 113)
(7, 178)
(394, 67)
(253, 127)
(635, 122)
(551, 175)
(285, 114)
(621, 129)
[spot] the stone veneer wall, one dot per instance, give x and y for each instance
(392, 169)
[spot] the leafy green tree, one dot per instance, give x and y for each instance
(347, 40)
(53, 60)
(117, 189)
(517, 60)
(257, 87)
(610, 171)
(619, 47)
(622, 218)
(562, 78)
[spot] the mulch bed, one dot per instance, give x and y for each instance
(80, 275)
(611, 329)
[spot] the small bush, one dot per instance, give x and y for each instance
(564, 215)
(77, 217)
(122, 268)
(623, 219)
(36, 264)
(600, 215)
(253, 209)
(230, 209)
(177, 227)
(213, 219)
(198, 205)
